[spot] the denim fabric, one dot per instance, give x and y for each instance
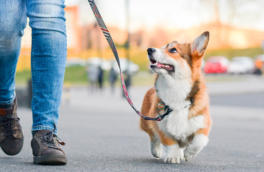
(48, 54)
(13, 20)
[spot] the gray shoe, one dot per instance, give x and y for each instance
(11, 135)
(46, 149)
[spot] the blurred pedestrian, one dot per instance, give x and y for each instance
(112, 79)
(100, 78)
(127, 81)
(92, 73)
(48, 58)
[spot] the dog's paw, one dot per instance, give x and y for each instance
(155, 150)
(172, 160)
(197, 144)
(174, 154)
(188, 156)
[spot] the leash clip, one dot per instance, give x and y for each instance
(162, 106)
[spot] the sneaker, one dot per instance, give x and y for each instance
(11, 136)
(46, 149)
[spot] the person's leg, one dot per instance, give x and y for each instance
(13, 20)
(12, 23)
(48, 58)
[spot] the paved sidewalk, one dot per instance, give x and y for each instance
(102, 133)
(236, 87)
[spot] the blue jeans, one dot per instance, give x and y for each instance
(48, 55)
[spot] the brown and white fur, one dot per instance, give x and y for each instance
(184, 132)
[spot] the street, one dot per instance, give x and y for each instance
(102, 133)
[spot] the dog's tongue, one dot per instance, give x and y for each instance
(159, 65)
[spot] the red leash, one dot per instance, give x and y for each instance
(110, 41)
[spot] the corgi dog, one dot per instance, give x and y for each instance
(179, 85)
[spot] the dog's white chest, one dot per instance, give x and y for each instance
(178, 126)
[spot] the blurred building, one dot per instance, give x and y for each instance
(73, 29)
(93, 38)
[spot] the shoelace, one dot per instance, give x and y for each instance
(50, 139)
(6, 122)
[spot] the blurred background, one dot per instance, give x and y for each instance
(235, 51)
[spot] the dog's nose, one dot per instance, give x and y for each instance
(151, 50)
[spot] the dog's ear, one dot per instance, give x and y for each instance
(198, 46)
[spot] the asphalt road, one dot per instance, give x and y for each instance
(102, 134)
(250, 100)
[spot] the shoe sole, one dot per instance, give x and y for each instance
(50, 160)
(16, 152)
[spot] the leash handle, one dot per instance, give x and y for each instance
(110, 41)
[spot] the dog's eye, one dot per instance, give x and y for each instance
(173, 50)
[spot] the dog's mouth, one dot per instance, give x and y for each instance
(157, 65)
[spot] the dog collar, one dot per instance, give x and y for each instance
(163, 106)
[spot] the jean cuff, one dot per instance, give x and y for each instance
(7, 102)
(41, 127)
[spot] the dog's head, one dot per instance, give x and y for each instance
(178, 60)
